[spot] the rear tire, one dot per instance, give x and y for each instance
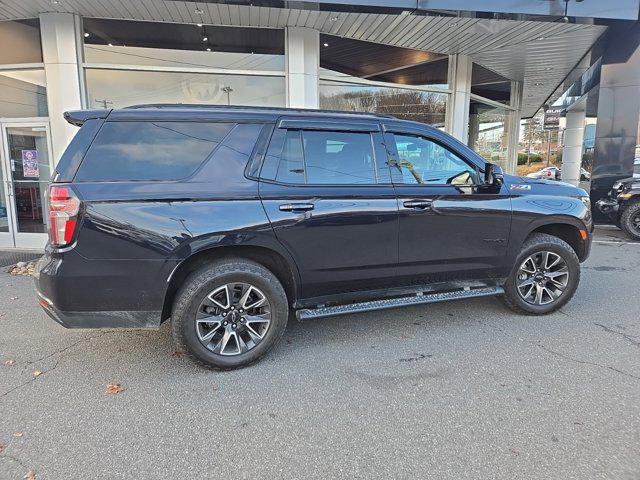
(209, 322)
(541, 267)
(630, 220)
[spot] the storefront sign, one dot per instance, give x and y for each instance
(551, 120)
(30, 164)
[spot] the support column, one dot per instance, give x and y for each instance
(61, 35)
(513, 127)
(303, 61)
(459, 105)
(572, 150)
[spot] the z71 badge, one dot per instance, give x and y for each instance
(520, 186)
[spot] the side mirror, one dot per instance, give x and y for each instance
(492, 175)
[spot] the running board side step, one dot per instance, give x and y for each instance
(320, 312)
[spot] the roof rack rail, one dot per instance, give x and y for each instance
(246, 107)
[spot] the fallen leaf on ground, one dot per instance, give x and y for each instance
(37, 373)
(17, 434)
(1, 448)
(177, 354)
(114, 388)
(11, 361)
(30, 475)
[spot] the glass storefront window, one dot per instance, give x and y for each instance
(488, 84)
(23, 94)
(408, 104)
(20, 40)
(122, 88)
(488, 132)
(122, 42)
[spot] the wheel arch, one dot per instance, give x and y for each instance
(566, 231)
(283, 268)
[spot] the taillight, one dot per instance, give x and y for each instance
(63, 215)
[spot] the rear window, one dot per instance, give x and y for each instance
(144, 151)
(72, 156)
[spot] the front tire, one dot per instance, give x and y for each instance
(229, 314)
(545, 276)
(630, 220)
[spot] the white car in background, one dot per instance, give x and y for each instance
(554, 173)
(547, 173)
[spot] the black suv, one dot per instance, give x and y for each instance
(229, 220)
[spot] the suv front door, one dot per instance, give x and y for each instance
(451, 226)
(327, 191)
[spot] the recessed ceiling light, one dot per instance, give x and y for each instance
(453, 24)
(537, 84)
(111, 44)
(326, 44)
(199, 24)
(55, 2)
(86, 34)
(334, 19)
(208, 49)
(204, 39)
(541, 37)
(198, 11)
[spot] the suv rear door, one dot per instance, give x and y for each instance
(451, 226)
(327, 191)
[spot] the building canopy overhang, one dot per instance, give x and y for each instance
(540, 54)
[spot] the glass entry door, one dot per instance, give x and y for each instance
(26, 173)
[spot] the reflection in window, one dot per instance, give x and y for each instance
(335, 158)
(183, 45)
(488, 132)
(488, 84)
(423, 161)
(23, 94)
(122, 88)
(20, 42)
(150, 150)
(420, 106)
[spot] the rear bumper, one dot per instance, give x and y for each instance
(81, 293)
(100, 319)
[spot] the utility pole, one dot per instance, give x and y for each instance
(104, 103)
(228, 91)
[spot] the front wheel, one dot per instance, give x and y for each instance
(229, 314)
(630, 220)
(544, 277)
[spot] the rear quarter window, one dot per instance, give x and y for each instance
(146, 151)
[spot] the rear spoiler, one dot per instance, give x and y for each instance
(78, 117)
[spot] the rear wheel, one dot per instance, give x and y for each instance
(229, 314)
(544, 277)
(630, 220)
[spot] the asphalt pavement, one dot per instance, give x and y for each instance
(459, 390)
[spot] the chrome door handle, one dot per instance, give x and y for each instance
(296, 207)
(418, 204)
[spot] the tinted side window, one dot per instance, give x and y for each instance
(150, 150)
(424, 161)
(339, 158)
(320, 158)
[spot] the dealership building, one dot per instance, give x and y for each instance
(473, 68)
